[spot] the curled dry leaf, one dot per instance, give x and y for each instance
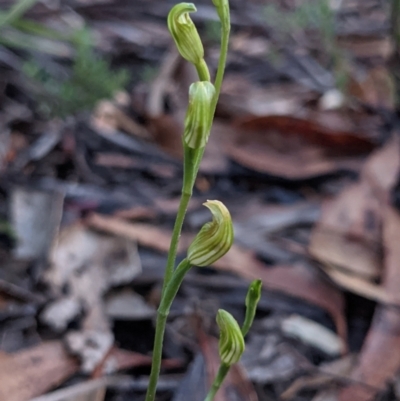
(348, 232)
(295, 148)
(379, 359)
(348, 235)
(360, 286)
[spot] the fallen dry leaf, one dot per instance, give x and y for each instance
(360, 286)
(91, 390)
(328, 373)
(313, 334)
(365, 47)
(145, 234)
(241, 97)
(295, 148)
(34, 371)
(117, 359)
(348, 234)
(376, 88)
(379, 360)
(109, 117)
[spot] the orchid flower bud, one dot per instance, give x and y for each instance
(252, 298)
(222, 7)
(199, 114)
(214, 239)
(231, 341)
(184, 32)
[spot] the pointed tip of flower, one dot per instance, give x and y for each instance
(218, 209)
(184, 32)
(254, 292)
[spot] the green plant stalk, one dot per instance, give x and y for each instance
(219, 378)
(162, 315)
(16, 11)
(202, 71)
(192, 159)
(225, 32)
(171, 285)
(189, 178)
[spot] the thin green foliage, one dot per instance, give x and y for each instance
(16, 11)
(91, 80)
(312, 15)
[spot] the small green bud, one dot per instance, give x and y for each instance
(231, 341)
(198, 115)
(214, 239)
(252, 298)
(253, 294)
(222, 7)
(184, 32)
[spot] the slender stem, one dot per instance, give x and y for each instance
(248, 321)
(173, 279)
(162, 315)
(202, 71)
(225, 31)
(157, 356)
(219, 378)
(169, 269)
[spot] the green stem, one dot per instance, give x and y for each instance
(189, 177)
(225, 31)
(219, 378)
(172, 278)
(162, 315)
(192, 159)
(169, 269)
(202, 71)
(248, 321)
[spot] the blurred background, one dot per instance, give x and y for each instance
(304, 152)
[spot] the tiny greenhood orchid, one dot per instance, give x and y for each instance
(214, 239)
